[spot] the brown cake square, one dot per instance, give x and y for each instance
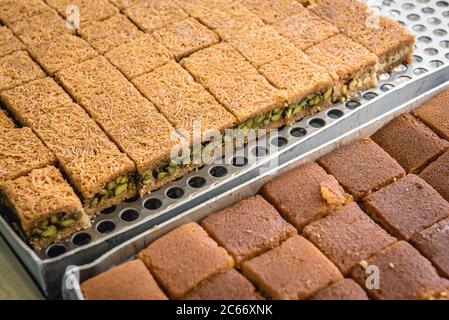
(17, 69)
(346, 289)
(410, 142)
(229, 285)
(9, 42)
(433, 242)
(305, 194)
(435, 114)
(248, 228)
(362, 167)
(185, 37)
(129, 281)
(347, 237)
(437, 175)
(184, 258)
(404, 275)
(407, 207)
(294, 270)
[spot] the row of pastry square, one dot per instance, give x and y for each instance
(394, 208)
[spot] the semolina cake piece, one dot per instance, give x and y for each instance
(185, 37)
(59, 52)
(129, 281)
(16, 10)
(5, 121)
(353, 65)
(294, 270)
(433, 243)
(347, 237)
(155, 14)
(184, 258)
(123, 4)
(46, 25)
(272, 11)
(391, 42)
(435, 114)
(228, 285)
(93, 163)
(346, 289)
(33, 98)
(259, 46)
(9, 42)
(407, 206)
(17, 69)
(110, 33)
(362, 168)
(224, 14)
(305, 194)
(45, 206)
(305, 29)
(404, 275)
(437, 175)
(21, 151)
(307, 86)
(237, 85)
(184, 102)
(129, 119)
(343, 13)
(140, 56)
(89, 10)
(410, 143)
(248, 228)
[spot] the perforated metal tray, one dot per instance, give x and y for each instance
(429, 19)
(122, 253)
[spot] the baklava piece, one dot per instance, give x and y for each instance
(45, 206)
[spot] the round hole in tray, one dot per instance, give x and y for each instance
(446, 14)
(108, 210)
(55, 250)
(351, 105)
(385, 76)
(419, 27)
(423, 1)
(129, 215)
(317, 123)
(436, 63)
(401, 68)
(419, 71)
(413, 17)
(440, 32)
(106, 226)
(279, 142)
(425, 39)
(386, 87)
(447, 56)
(335, 114)
(444, 44)
(175, 193)
(133, 199)
(395, 12)
(152, 204)
(298, 132)
(369, 95)
(417, 58)
(442, 4)
(259, 151)
(387, 2)
(408, 6)
(428, 10)
(403, 79)
(218, 171)
(431, 51)
(434, 21)
(81, 239)
(239, 161)
(196, 182)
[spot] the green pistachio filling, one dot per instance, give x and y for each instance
(151, 176)
(113, 189)
(287, 113)
(49, 227)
